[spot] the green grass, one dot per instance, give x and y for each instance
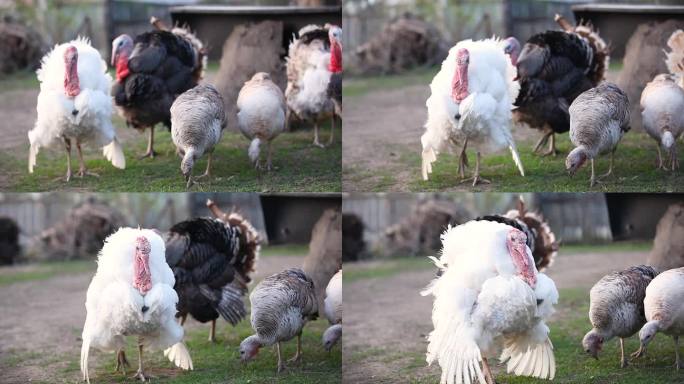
(573, 365)
(19, 80)
(43, 271)
(391, 267)
(634, 170)
(213, 363)
(300, 166)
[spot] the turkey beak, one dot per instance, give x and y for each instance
(115, 55)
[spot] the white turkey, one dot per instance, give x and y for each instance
(198, 119)
(599, 118)
(489, 298)
(132, 294)
(261, 114)
(554, 67)
(662, 103)
(616, 308)
(310, 66)
(152, 69)
(675, 57)
(663, 308)
(333, 311)
(470, 104)
(282, 304)
(212, 261)
(74, 106)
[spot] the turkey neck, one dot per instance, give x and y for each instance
(71, 83)
(335, 56)
(142, 280)
(122, 68)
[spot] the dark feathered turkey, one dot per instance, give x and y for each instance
(212, 261)
(554, 67)
(151, 71)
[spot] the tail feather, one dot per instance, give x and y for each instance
(33, 152)
(667, 140)
(516, 157)
(85, 350)
(179, 355)
(529, 359)
(230, 305)
(429, 157)
(253, 150)
(113, 152)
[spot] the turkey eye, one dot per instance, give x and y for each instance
(457, 116)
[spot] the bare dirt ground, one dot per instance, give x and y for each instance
(388, 315)
(31, 347)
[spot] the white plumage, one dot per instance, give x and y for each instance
(74, 106)
(675, 58)
(664, 310)
(132, 294)
(333, 311)
(662, 102)
(261, 115)
(308, 77)
(482, 117)
(489, 298)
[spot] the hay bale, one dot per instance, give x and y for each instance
(325, 252)
(404, 43)
(352, 237)
(249, 49)
(419, 232)
(644, 59)
(9, 241)
(668, 245)
(81, 234)
(21, 47)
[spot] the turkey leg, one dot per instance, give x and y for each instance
(281, 365)
(141, 372)
(316, 142)
(332, 129)
(552, 146)
(67, 145)
(298, 354)
(150, 146)
(121, 362)
(212, 331)
(182, 319)
(660, 158)
(82, 171)
(476, 176)
(610, 167)
(489, 378)
(674, 161)
(623, 359)
(678, 362)
(207, 172)
(592, 179)
(542, 141)
(462, 160)
(270, 153)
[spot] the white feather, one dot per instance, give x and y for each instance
(94, 105)
(485, 113)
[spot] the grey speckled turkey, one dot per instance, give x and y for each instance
(197, 123)
(617, 308)
(599, 118)
(281, 305)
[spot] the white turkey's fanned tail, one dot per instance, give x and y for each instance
(179, 355)
(113, 152)
(253, 150)
(526, 358)
(85, 350)
(458, 356)
(516, 157)
(429, 157)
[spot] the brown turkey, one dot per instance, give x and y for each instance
(544, 244)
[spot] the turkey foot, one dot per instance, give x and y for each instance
(462, 160)
(542, 141)
(476, 176)
(661, 164)
(142, 376)
(552, 151)
(281, 365)
(298, 355)
(639, 352)
(150, 147)
(316, 142)
(610, 168)
(489, 378)
(81, 164)
(82, 172)
(121, 362)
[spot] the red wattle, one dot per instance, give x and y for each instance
(142, 278)
(122, 68)
(335, 58)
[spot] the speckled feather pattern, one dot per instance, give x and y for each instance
(617, 302)
(198, 119)
(599, 118)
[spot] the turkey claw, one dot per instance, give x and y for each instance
(150, 154)
(140, 375)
